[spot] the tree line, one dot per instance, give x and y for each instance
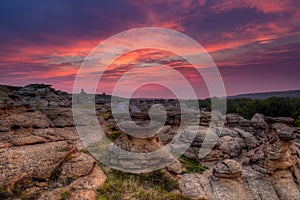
(273, 107)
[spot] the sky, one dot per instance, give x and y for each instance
(255, 44)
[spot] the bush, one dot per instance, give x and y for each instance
(273, 107)
(297, 122)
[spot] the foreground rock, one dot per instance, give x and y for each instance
(228, 169)
(40, 155)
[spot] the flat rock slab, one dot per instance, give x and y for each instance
(15, 119)
(25, 163)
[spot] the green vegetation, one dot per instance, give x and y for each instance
(191, 165)
(273, 107)
(84, 150)
(65, 195)
(114, 135)
(105, 115)
(297, 122)
(154, 185)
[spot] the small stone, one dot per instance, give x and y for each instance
(228, 169)
(175, 167)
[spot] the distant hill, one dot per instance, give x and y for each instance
(265, 95)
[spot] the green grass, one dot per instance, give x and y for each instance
(105, 115)
(153, 186)
(191, 165)
(114, 135)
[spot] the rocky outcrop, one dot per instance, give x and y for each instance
(40, 152)
(33, 96)
(284, 120)
(266, 167)
(41, 156)
(274, 153)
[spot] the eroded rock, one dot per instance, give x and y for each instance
(228, 169)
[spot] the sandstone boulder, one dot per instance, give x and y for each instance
(248, 138)
(229, 145)
(175, 167)
(284, 132)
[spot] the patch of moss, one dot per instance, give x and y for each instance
(122, 185)
(191, 165)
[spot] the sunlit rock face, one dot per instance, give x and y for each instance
(41, 155)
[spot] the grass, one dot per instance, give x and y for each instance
(114, 135)
(84, 150)
(105, 115)
(153, 186)
(65, 195)
(191, 165)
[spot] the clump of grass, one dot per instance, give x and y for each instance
(114, 135)
(65, 195)
(84, 150)
(105, 115)
(122, 185)
(191, 165)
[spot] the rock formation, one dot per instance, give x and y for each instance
(41, 156)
